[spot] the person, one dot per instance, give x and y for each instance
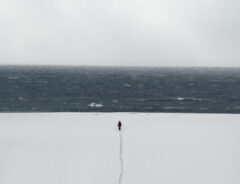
(119, 125)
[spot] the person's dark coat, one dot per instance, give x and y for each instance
(119, 125)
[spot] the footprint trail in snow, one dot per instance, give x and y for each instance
(120, 158)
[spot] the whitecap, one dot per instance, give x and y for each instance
(141, 99)
(203, 108)
(93, 104)
(174, 108)
(190, 98)
(13, 78)
(179, 98)
(195, 99)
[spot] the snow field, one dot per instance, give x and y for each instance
(73, 148)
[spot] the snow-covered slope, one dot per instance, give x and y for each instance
(83, 148)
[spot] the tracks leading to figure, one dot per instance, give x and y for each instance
(120, 158)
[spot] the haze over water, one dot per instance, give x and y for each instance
(119, 89)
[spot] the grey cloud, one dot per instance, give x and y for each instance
(127, 32)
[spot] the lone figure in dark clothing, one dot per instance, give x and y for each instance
(119, 125)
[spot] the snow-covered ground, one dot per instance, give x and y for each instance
(83, 148)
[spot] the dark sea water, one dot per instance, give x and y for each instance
(106, 89)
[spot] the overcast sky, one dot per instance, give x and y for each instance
(120, 32)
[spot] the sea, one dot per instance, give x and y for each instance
(119, 89)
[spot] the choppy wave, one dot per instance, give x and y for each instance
(100, 89)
